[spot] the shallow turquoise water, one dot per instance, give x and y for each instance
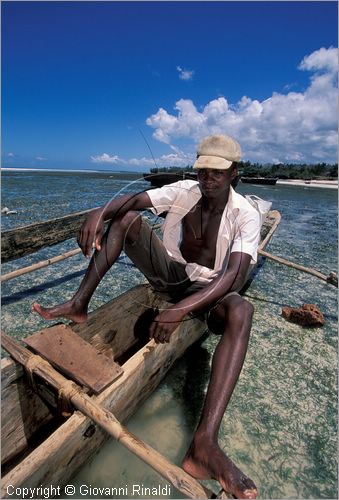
(281, 424)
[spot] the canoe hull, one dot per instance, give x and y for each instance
(117, 328)
(58, 458)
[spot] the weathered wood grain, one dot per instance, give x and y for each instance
(25, 240)
(74, 357)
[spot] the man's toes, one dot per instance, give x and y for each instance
(250, 494)
(240, 486)
(247, 488)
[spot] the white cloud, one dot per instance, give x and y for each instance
(169, 160)
(177, 159)
(105, 158)
(40, 158)
(295, 126)
(321, 60)
(10, 155)
(185, 74)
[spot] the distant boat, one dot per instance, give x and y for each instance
(159, 179)
(259, 180)
(7, 211)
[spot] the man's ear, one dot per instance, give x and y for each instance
(234, 172)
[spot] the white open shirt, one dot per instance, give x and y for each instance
(239, 229)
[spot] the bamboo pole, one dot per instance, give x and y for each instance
(332, 278)
(105, 419)
(39, 265)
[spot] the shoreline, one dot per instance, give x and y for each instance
(321, 183)
(313, 183)
(69, 171)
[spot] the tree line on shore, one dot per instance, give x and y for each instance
(304, 171)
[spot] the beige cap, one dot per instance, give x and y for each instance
(218, 152)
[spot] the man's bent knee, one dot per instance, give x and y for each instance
(233, 309)
(231, 314)
(130, 223)
(238, 307)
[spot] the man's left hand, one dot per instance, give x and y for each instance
(165, 323)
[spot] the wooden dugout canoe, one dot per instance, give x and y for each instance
(39, 447)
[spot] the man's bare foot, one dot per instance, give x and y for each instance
(207, 461)
(69, 310)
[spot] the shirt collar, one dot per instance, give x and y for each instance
(234, 200)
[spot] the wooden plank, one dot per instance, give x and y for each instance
(25, 240)
(73, 356)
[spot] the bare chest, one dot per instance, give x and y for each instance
(199, 236)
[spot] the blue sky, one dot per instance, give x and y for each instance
(81, 79)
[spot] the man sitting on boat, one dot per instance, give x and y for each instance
(210, 239)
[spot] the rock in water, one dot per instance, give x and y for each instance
(306, 315)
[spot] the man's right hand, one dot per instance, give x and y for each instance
(91, 232)
(92, 229)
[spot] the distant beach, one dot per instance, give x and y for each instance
(311, 183)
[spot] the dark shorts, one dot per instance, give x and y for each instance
(151, 258)
(165, 274)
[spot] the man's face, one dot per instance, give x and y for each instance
(214, 182)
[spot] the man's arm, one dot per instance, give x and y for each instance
(232, 279)
(93, 228)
